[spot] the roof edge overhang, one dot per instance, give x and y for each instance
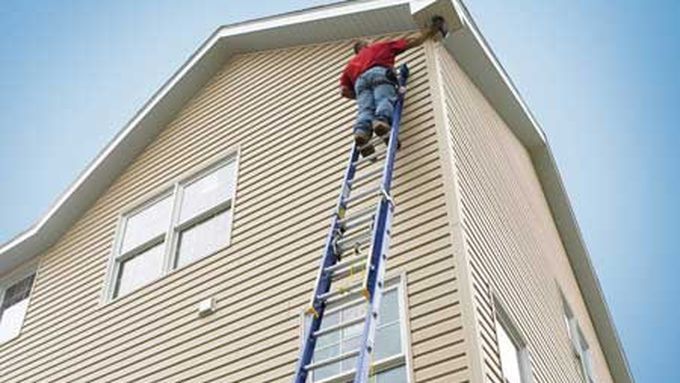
(316, 25)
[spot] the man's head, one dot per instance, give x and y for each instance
(359, 45)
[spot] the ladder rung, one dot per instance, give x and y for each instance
(348, 262)
(360, 240)
(339, 326)
(372, 158)
(341, 293)
(332, 360)
(354, 217)
(347, 305)
(372, 142)
(359, 223)
(366, 176)
(363, 195)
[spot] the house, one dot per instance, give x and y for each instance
(187, 251)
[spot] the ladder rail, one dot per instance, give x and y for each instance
(375, 275)
(323, 279)
(371, 288)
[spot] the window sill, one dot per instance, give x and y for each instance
(379, 366)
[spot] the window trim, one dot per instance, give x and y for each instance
(577, 340)
(173, 189)
(398, 283)
(503, 318)
(6, 281)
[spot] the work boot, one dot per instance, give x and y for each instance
(362, 136)
(381, 127)
(367, 150)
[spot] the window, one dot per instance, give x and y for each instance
(389, 357)
(579, 345)
(513, 352)
(176, 228)
(14, 298)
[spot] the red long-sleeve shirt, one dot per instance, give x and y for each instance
(378, 54)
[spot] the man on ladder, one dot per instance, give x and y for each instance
(370, 79)
(368, 76)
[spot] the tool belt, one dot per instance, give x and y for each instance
(390, 78)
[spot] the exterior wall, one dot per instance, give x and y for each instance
(281, 110)
(515, 253)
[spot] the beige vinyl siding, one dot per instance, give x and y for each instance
(281, 111)
(516, 254)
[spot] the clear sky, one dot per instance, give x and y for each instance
(601, 76)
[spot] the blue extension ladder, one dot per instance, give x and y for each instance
(340, 242)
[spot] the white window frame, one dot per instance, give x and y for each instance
(404, 359)
(10, 279)
(174, 190)
(579, 345)
(502, 318)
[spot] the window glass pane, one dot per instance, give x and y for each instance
(324, 353)
(349, 364)
(330, 319)
(327, 340)
(203, 238)
(388, 341)
(13, 309)
(394, 375)
(389, 307)
(510, 363)
(588, 361)
(208, 191)
(353, 331)
(140, 270)
(147, 224)
(326, 371)
(12, 318)
(353, 312)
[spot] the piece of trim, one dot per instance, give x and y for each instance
(455, 213)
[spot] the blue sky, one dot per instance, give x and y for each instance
(600, 76)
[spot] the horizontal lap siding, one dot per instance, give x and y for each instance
(515, 250)
(282, 109)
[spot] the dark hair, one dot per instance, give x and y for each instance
(359, 44)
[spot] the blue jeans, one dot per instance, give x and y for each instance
(375, 98)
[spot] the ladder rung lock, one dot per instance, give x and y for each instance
(332, 360)
(312, 311)
(339, 326)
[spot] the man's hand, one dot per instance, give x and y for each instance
(346, 92)
(422, 36)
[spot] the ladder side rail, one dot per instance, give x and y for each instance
(376, 269)
(374, 294)
(323, 281)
